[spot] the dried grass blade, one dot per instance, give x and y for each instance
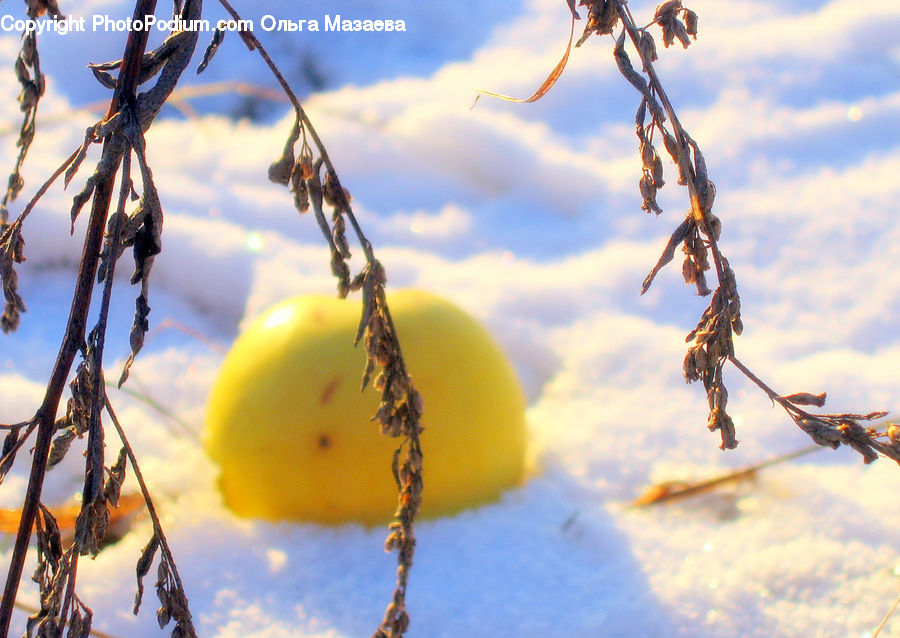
(674, 490)
(551, 79)
(886, 617)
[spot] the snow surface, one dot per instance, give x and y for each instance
(528, 216)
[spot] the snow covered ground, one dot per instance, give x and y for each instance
(528, 216)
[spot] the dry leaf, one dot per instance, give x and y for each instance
(548, 83)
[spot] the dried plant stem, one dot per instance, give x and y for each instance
(886, 617)
(684, 163)
(254, 44)
(93, 483)
(28, 609)
(674, 490)
(44, 188)
(713, 338)
(401, 405)
(75, 327)
(151, 509)
(755, 379)
(46, 414)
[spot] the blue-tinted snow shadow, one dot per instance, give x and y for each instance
(546, 561)
(539, 563)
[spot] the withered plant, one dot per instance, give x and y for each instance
(306, 169)
(712, 341)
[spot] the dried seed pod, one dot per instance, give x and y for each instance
(667, 10)
(113, 487)
(648, 193)
(700, 254)
(726, 430)
(647, 46)
(668, 34)
(689, 270)
(671, 144)
(716, 351)
(690, 369)
(701, 357)
(648, 153)
(690, 22)
(806, 398)
(820, 432)
(656, 171)
(893, 433)
(714, 226)
(339, 237)
(280, 170)
(60, 447)
(639, 117)
(627, 70)
(306, 165)
(418, 403)
(393, 542)
(681, 32)
(713, 420)
(332, 191)
(718, 398)
(607, 18)
(706, 194)
(729, 284)
(299, 189)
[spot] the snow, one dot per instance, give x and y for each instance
(527, 216)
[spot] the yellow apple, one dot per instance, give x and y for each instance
(291, 431)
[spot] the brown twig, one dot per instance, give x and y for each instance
(46, 414)
(158, 533)
(713, 338)
(683, 161)
(75, 327)
(400, 411)
(254, 44)
(887, 615)
(673, 490)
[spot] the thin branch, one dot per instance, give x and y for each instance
(400, 410)
(673, 490)
(75, 327)
(774, 396)
(254, 43)
(886, 617)
(42, 190)
(684, 163)
(151, 509)
(146, 399)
